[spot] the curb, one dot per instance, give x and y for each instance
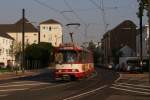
(25, 74)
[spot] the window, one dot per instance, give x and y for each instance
(44, 27)
(10, 52)
(7, 52)
(27, 40)
(3, 40)
(49, 28)
(3, 50)
(35, 41)
(34, 34)
(44, 35)
(0, 51)
(67, 56)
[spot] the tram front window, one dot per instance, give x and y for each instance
(66, 56)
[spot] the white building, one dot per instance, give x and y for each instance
(31, 33)
(6, 42)
(51, 31)
(145, 36)
(127, 51)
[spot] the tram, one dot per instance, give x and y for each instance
(73, 62)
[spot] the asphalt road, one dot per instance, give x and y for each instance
(42, 87)
(100, 86)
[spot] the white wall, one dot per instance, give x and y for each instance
(5, 44)
(51, 33)
(30, 37)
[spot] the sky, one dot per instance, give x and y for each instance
(85, 12)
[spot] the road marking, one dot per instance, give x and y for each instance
(134, 85)
(9, 90)
(18, 82)
(76, 96)
(120, 76)
(145, 93)
(3, 95)
(52, 86)
(131, 87)
(17, 85)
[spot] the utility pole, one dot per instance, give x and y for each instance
(149, 36)
(141, 30)
(23, 37)
(39, 34)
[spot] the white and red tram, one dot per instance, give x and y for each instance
(73, 62)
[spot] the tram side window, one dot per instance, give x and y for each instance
(83, 57)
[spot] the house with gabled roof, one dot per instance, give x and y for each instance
(51, 31)
(123, 34)
(15, 31)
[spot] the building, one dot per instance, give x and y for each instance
(51, 31)
(145, 36)
(15, 31)
(127, 51)
(6, 43)
(115, 39)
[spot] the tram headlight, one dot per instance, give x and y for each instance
(59, 70)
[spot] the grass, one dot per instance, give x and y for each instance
(2, 70)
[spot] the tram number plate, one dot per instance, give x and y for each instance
(65, 76)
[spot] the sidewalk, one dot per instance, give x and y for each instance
(132, 79)
(19, 74)
(127, 97)
(142, 79)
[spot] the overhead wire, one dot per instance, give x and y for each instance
(77, 16)
(74, 12)
(102, 9)
(52, 8)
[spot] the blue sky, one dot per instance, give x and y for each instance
(86, 13)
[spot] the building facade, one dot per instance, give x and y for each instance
(115, 39)
(51, 32)
(15, 31)
(6, 43)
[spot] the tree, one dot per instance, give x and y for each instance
(41, 52)
(116, 53)
(91, 46)
(15, 51)
(98, 54)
